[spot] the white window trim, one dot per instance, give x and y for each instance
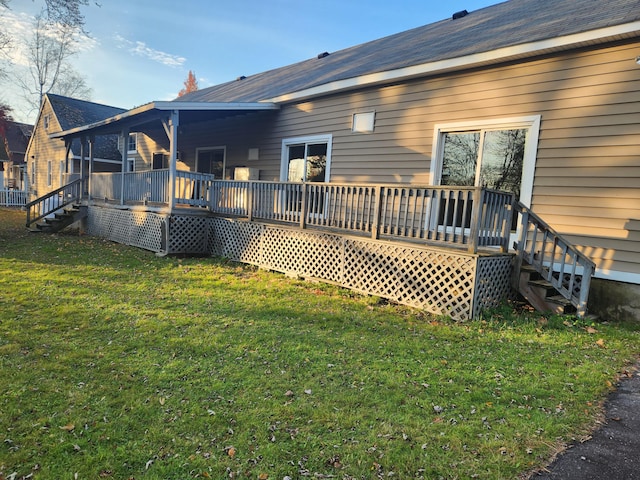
(284, 160)
(49, 173)
(208, 149)
(531, 123)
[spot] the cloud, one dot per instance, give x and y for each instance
(18, 26)
(141, 49)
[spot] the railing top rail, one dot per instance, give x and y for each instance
(372, 185)
(520, 208)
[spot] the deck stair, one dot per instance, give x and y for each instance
(550, 273)
(61, 219)
(57, 209)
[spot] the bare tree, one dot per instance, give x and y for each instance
(66, 12)
(72, 84)
(49, 71)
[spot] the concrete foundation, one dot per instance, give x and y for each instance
(614, 301)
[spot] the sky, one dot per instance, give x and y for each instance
(139, 51)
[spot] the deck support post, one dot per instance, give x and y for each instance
(476, 218)
(377, 203)
(92, 140)
(123, 170)
(250, 187)
(173, 124)
(303, 206)
(83, 170)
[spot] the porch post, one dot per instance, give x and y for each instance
(174, 123)
(67, 146)
(92, 140)
(82, 167)
(123, 168)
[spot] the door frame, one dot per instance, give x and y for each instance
(209, 149)
(531, 123)
(313, 139)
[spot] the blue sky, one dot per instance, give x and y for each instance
(142, 50)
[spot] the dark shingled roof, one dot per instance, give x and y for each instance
(503, 25)
(72, 113)
(14, 144)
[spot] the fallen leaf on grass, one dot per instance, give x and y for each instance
(591, 330)
(231, 451)
(68, 427)
(600, 342)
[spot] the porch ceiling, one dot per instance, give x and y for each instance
(152, 114)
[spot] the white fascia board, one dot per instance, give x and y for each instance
(217, 106)
(494, 56)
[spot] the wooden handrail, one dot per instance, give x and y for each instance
(54, 200)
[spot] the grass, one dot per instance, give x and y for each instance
(116, 363)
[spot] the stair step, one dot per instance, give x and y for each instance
(528, 268)
(542, 284)
(559, 300)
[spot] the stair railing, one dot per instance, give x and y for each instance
(53, 201)
(554, 259)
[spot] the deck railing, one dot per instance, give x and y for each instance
(53, 201)
(554, 258)
(464, 216)
(10, 197)
(152, 186)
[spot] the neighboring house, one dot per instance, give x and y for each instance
(52, 163)
(12, 154)
(540, 98)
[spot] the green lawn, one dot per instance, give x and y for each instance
(115, 363)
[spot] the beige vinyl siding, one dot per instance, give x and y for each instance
(43, 150)
(587, 178)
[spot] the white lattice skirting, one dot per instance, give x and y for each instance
(440, 281)
(443, 282)
(136, 228)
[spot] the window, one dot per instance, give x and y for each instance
(211, 160)
(33, 174)
(133, 143)
(46, 120)
(49, 174)
(306, 159)
(62, 173)
(160, 161)
(497, 154)
(131, 164)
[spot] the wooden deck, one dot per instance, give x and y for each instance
(441, 249)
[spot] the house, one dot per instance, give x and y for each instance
(536, 98)
(51, 163)
(14, 137)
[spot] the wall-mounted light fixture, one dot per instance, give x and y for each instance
(638, 60)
